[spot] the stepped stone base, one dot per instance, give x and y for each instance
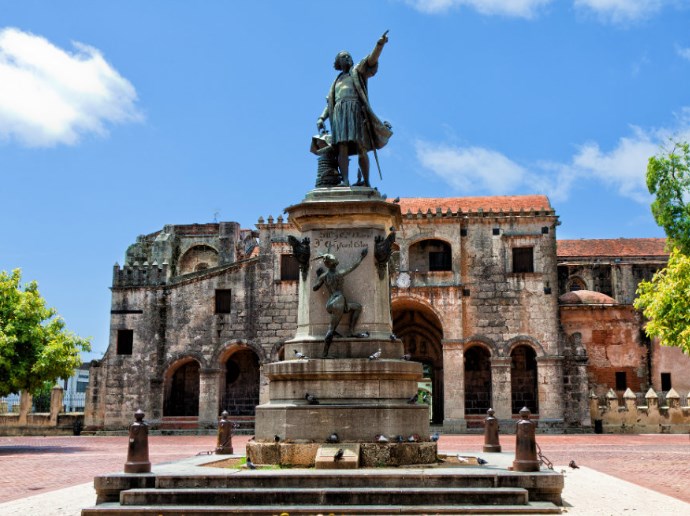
(370, 454)
(185, 488)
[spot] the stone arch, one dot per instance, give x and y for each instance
(420, 328)
(524, 387)
(524, 339)
(430, 255)
(277, 353)
(477, 374)
(198, 257)
(494, 349)
(181, 386)
(240, 379)
(230, 345)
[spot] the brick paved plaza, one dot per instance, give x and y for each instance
(33, 465)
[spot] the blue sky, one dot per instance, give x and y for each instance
(119, 117)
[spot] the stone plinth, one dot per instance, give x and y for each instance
(349, 394)
(370, 455)
(343, 221)
(326, 457)
(357, 399)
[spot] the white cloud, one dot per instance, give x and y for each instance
(481, 171)
(514, 8)
(620, 11)
(477, 170)
(464, 167)
(683, 52)
(622, 168)
(49, 96)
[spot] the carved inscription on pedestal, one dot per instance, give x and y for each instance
(338, 241)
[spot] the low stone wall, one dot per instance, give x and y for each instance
(40, 424)
(54, 422)
(630, 418)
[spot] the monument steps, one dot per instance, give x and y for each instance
(250, 496)
(308, 491)
(113, 509)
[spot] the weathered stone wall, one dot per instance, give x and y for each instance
(174, 321)
(671, 360)
(481, 301)
(165, 294)
(613, 343)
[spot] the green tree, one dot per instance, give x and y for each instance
(668, 179)
(35, 346)
(665, 301)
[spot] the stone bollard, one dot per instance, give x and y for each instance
(525, 444)
(491, 444)
(224, 446)
(138, 451)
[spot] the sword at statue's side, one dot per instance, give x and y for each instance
(371, 140)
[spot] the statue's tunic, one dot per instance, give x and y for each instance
(349, 110)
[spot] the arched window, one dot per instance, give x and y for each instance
(182, 390)
(477, 380)
(523, 379)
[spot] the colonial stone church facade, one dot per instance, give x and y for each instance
(498, 311)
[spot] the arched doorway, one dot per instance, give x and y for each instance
(421, 332)
(182, 389)
(240, 382)
(523, 379)
(477, 380)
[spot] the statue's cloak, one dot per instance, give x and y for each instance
(380, 132)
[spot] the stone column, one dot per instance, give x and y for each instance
(25, 401)
(549, 386)
(209, 396)
(56, 397)
(584, 411)
(453, 386)
(501, 387)
(623, 283)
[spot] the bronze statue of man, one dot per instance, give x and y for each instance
(354, 126)
(337, 305)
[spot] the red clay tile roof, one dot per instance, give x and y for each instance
(495, 203)
(612, 247)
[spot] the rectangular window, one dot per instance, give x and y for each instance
(125, 340)
(289, 268)
(621, 381)
(665, 381)
(523, 259)
(439, 261)
(81, 386)
(223, 301)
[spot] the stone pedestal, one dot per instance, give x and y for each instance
(354, 396)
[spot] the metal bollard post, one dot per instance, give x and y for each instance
(491, 444)
(525, 444)
(138, 451)
(224, 445)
